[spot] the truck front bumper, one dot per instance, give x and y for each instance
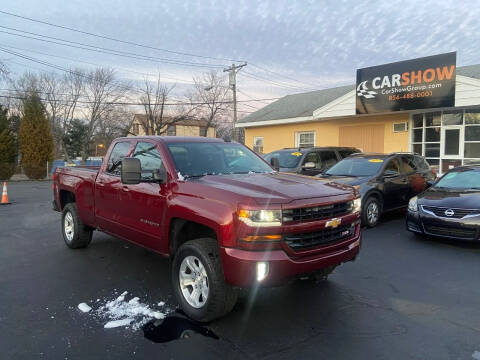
(241, 267)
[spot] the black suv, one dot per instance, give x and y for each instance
(308, 161)
(385, 181)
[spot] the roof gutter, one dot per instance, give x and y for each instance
(275, 122)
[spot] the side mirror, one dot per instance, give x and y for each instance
(160, 175)
(131, 171)
(309, 165)
(275, 163)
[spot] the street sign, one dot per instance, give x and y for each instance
(422, 83)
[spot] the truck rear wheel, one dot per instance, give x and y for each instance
(75, 233)
(198, 281)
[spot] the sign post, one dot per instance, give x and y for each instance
(422, 83)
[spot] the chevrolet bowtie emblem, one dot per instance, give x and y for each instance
(333, 223)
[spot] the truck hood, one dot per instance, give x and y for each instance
(274, 187)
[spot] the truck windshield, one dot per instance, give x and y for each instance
(198, 159)
(356, 167)
(286, 158)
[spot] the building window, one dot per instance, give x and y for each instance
(203, 131)
(172, 130)
(258, 144)
(400, 127)
(305, 139)
(136, 129)
(446, 139)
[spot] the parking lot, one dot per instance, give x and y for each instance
(404, 298)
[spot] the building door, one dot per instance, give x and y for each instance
(368, 138)
(452, 142)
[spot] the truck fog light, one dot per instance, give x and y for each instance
(262, 270)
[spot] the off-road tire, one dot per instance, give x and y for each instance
(366, 220)
(222, 297)
(82, 234)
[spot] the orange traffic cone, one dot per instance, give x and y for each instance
(4, 195)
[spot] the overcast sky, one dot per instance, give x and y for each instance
(317, 43)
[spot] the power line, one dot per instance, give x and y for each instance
(152, 47)
(96, 64)
(114, 39)
(248, 96)
(45, 63)
(279, 84)
(104, 50)
(166, 50)
(284, 76)
(126, 103)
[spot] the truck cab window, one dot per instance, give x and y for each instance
(149, 157)
(114, 165)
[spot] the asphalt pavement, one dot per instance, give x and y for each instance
(404, 298)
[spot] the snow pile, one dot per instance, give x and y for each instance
(120, 312)
(180, 176)
(83, 307)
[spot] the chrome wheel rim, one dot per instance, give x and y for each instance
(372, 213)
(68, 226)
(193, 281)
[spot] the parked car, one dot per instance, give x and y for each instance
(385, 181)
(308, 161)
(223, 215)
(449, 208)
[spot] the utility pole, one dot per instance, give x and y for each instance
(232, 81)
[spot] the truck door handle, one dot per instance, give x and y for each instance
(100, 184)
(125, 188)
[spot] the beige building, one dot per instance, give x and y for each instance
(447, 137)
(184, 127)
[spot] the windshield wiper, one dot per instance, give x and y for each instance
(198, 175)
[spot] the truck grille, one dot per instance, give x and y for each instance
(316, 212)
(451, 232)
(318, 238)
(457, 213)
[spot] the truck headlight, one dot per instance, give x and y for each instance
(357, 205)
(260, 218)
(413, 204)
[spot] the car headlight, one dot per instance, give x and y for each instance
(259, 218)
(357, 205)
(413, 204)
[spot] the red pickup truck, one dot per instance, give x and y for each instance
(223, 215)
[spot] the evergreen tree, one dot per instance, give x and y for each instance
(35, 138)
(75, 138)
(8, 149)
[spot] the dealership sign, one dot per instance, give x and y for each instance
(422, 83)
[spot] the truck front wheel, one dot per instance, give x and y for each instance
(198, 281)
(75, 233)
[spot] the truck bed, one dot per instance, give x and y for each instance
(79, 180)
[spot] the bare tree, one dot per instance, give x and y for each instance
(73, 85)
(116, 123)
(102, 90)
(153, 99)
(210, 98)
